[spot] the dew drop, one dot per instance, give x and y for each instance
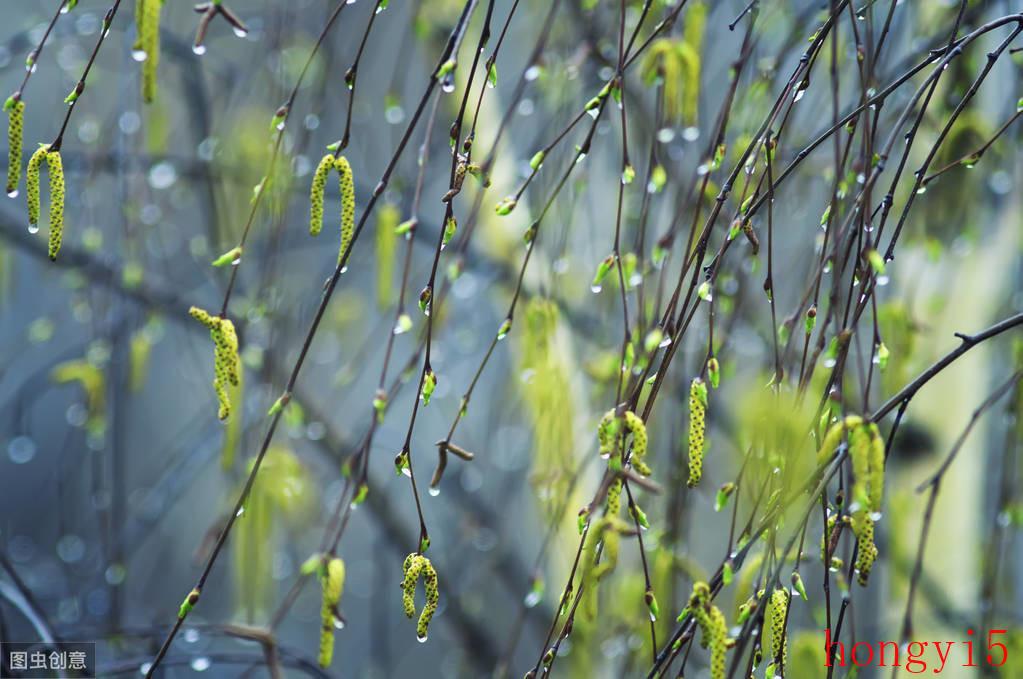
(21, 449)
(338, 623)
(406, 471)
(595, 288)
(532, 599)
(593, 113)
(33, 228)
(199, 49)
(200, 664)
(434, 491)
(139, 55)
(799, 95)
(422, 639)
(241, 510)
(13, 193)
(240, 32)
(448, 85)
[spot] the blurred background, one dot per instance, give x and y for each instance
(116, 475)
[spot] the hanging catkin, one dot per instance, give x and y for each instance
(347, 186)
(147, 44)
(697, 429)
(316, 192)
(416, 566)
(226, 361)
(773, 636)
(56, 170)
(332, 579)
(15, 134)
(713, 626)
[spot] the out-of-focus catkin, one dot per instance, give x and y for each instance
(332, 580)
(147, 44)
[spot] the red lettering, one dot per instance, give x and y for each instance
(870, 650)
(829, 654)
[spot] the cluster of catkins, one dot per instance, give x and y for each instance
(332, 581)
(713, 627)
(607, 434)
(226, 362)
(867, 452)
(56, 170)
(416, 566)
(344, 170)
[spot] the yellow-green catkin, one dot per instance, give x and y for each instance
(417, 565)
(835, 435)
(602, 542)
(866, 550)
(697, 429)
(614, 497)
(332, 579)
(147, 43)
(32, 183)
(347, 185)
(15, 134)
(56, 170)
(639, 442)
(713, 626)
(316, 192)
(226, 361)
(773, 635)
(607, 430)
(866, 448)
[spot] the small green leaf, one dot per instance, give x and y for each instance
(232, 256)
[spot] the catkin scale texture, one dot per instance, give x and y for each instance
(316, 192)
(32, 182)
(697, 429)
(416, 566)
(15, 136)
(56, 171)
(347, 186)
(226, 360)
